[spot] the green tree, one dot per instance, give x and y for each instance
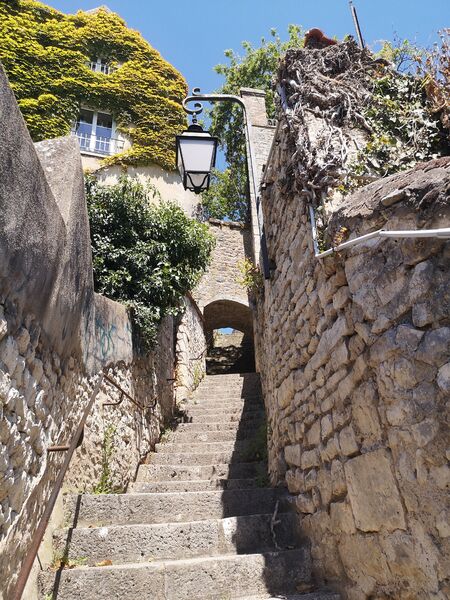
(145, 254)
(227, 196)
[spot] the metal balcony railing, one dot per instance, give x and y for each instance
(97, 144)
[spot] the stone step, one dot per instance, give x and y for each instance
(214, 395)
(182, 447)
(248, 386)
(229, 390)
(222, 404)
(229, 395)
(222, 413)
(248, 418)
(158, 473)
(208, 578)
(318, 595)
(201, 458)
(195, 485)
(227, 378)
(234, 426)
(177, 507)
(195, 437)
(143, 543)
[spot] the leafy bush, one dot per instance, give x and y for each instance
(145, 254)
(404, 129)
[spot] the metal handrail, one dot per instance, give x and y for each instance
(40, 531)
(70, 449)
(123, 393)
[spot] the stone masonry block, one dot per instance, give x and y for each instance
(295, 481)
(373, 492)
(286, 392)
(347, 441)
(342, 518)
(310, 459)
(305, 504)
(293, 455)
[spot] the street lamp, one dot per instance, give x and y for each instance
(196, 157)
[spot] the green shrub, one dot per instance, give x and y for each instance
(145, 254)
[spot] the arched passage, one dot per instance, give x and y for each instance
(237, 354)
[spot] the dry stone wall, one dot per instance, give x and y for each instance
(354, 356)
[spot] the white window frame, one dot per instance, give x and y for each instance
(93, 139)
(98, 67)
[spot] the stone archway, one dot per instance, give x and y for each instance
(235, 357)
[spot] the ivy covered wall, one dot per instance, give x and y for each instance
(46, 55)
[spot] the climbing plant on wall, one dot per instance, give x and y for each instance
(47, 55)
(145, 254)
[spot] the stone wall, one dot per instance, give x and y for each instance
(190, 350)
(56, 337)
(220, 282)
(354, 357)
(117, 438)
(259, 137)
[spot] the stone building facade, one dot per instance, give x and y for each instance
(223, 301)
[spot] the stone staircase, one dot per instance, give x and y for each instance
(196, 524)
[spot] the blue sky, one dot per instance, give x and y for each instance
(193, 35)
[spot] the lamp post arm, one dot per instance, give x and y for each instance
(198, 109)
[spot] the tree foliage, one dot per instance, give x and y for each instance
(406, 102)
(46, 55)
(146, 255)
(435, 68)
(227, 196)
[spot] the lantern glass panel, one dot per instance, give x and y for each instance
(197, 152)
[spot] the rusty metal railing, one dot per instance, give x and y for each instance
(27, 564)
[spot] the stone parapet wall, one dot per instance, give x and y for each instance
(42, 398)
(117, 438)
(354, 354)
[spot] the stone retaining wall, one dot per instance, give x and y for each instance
(56, 337)
(354, 355)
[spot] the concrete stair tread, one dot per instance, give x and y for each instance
(195, 560)
(234, 426)
(248, 534)
(145, 487)
(180, 447)
(200, 458)
(229, 575)
(173, 507)
(154, 473)
(318, 595)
